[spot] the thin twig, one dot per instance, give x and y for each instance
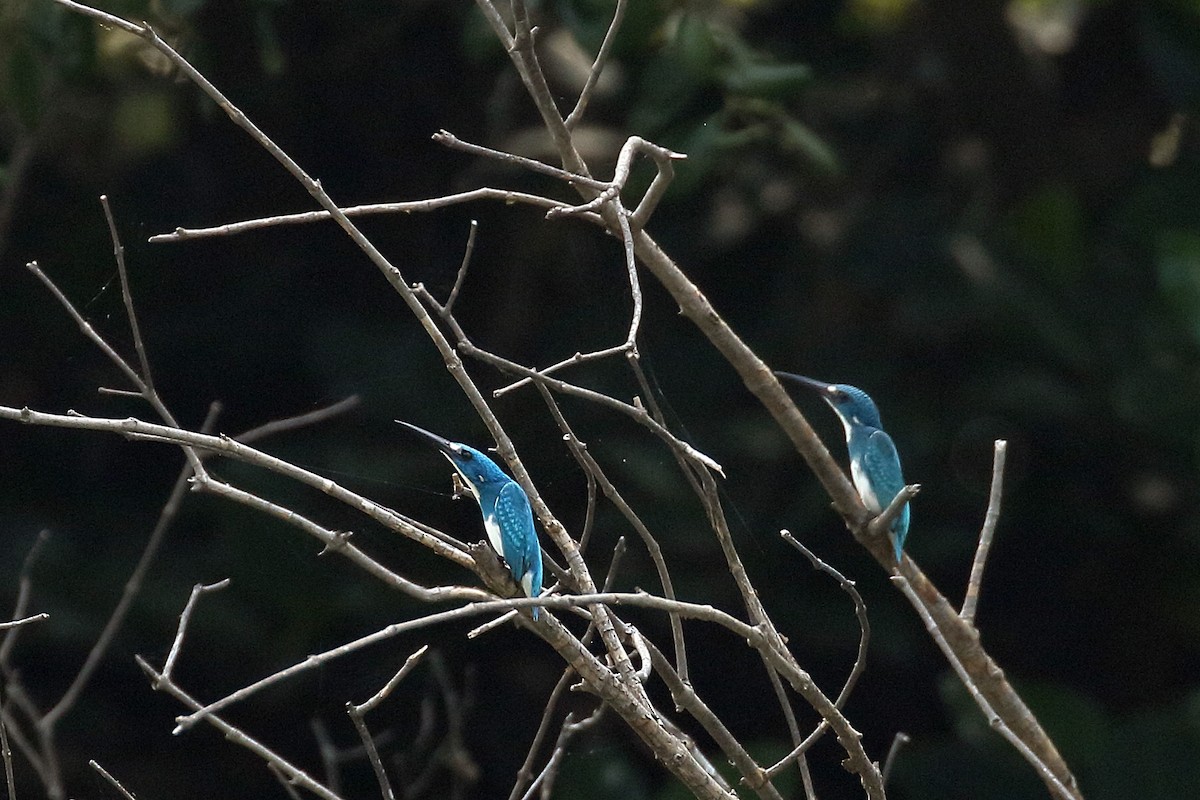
(570, 361)
(442, 544)
(633, 147)
(898, 741)
(971, 600)
(6, 754)
(629, 346)
(133, 585)
(289, 772)
(357, 714)
(462, 268)
(339, 542)
(409, 665)
(127, 295)
(685, 697)
(525, 773)
(632, 411)
(860, 659)
(634, 599)
(448, 139)
(570, 728)
(405, 207)
(23, 621)
(589, 519)
(24, 592)
(288, 786)
(883, 523)
(591, 467)
(585, 94)
(116, 784)
(185, 617)
(331, 759)
(144, 388)
(299, 420)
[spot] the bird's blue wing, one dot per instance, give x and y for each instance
(882, 463)
(519, 538)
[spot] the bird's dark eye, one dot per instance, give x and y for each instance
(467, 455)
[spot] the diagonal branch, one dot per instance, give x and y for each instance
(585, 94)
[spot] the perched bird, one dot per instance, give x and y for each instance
(506, 514)
(874, 463)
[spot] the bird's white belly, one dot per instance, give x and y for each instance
(493, 533)
(864, 488)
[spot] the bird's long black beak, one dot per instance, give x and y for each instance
(445, 445)
(819, 386)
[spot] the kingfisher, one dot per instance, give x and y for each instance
(506, 514)
(874, 463)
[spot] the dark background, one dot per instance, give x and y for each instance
(983, 213)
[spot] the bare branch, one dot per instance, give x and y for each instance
(185, 617)
(987, 676)
(442, 544)
(6, 755)
(409, 665)
(971, 600)
(404, 207)
(24, 621)
(133, 585)
(570, 728)
(994, 719)
(127, 295)
(570, 361)
(116, 784)
(686, 698)
(860, 659)
(299, 420)
(551, 602)
(591, 467)
(525, 773)
(357, 714)
(339, 542)
(629, 346)
(462, 269)
(593, 77)
(519, 44)
(448, 139)
(143, 386)
(898, 742)
(634, 412)
(282, 766)
(881, 526)
(633, 147)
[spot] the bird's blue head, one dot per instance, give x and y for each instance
(853, 405)
(479, 473)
